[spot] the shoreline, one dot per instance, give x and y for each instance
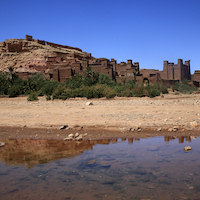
(93, 133)
(168, 114)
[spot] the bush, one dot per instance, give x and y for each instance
(48, 97)
(152, 92)
(139, 91)
(184, 87)
(58, 93)
(110, 93)
(32, 96)
(105, 79)
(14, 91)
(160, 87)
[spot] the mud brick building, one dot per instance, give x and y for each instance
(60, 62)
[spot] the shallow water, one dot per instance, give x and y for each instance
(134, 168)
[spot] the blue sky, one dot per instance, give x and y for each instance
(146, 31)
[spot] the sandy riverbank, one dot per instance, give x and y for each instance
(105, 118)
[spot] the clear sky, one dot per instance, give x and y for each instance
(146, 31)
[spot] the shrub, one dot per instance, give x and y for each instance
(32, 96)
(48, 97)
(160, 87)
(153, 92)
(105, 79)
(14, 91)
(109, 93)
(184, 87)
(139, 91)
(58, 93)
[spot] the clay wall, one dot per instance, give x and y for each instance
(168, 83)
(14, 47)
(113, 63)
(24, 75)
(76, 67)
(84, 65)
(195, 76)
(56, 76)
(29, 38)
(65, 73)
(41, 42)
(136, 66)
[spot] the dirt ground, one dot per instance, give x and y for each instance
(168, 114)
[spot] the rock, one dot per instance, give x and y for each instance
(159, 129)
(187, 148)
(76, 135)
(194, 137)
(68, 139)
(104, 165)
(79, 138)
(139, 130)
(91, 162)
(63, 127)
(170, 129)
(84, 134)
(151, 187)
(89, 103)
(2, 144)
(153, 148)
(175, 128)
(71, 135)
(193, 124)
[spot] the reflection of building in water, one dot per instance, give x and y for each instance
(130, 140)
(33, 152)
(180, 138)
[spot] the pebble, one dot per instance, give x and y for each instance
(151, 187)
(89, 103)
(187, 148)
(71, 135)
(2, 144)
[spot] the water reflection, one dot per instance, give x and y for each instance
(37, 151)
(121, 168)
(180, 138)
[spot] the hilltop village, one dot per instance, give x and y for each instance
(59, 62)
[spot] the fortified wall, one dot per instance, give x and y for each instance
(63, 62)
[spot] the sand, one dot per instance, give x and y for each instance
(105, 118)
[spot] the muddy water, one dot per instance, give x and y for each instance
(134, 168)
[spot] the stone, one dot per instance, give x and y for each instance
(175, 128)
(89, 103)
(187, 148)
(71, 135)
(194, 137)
(193, 124)
(170, 129)
(85, 134)
(79, 138)
(63, 127)
(2, 144)
(159, 129)
(68, 139)
(104, 165)
(151, 187)
(76, 135)
(137, 128)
